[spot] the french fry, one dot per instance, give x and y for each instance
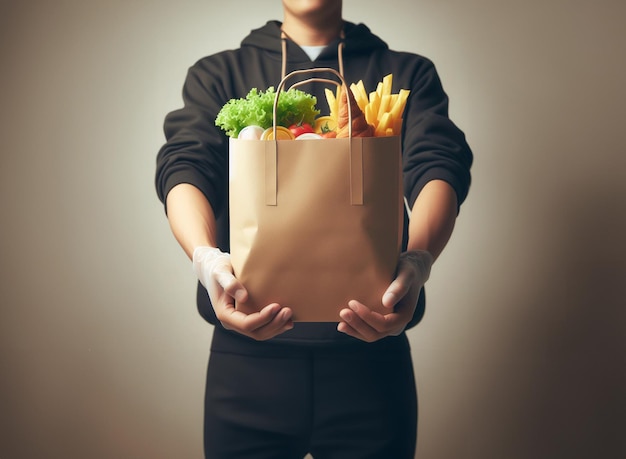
(362, 90)
(370, 115)
(394, 100)
(360, 94)
(385, 122)
(398, 106)
(387, 84)
(384, 106)
(374, 103)
(332, 103)
(382, 109)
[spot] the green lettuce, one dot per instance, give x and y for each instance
(294, 107)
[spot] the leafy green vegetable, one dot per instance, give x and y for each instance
(294, 106)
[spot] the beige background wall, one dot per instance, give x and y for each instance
(521, 352)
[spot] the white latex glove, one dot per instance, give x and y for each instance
(413, 272)
(215, 273)
(400, 298)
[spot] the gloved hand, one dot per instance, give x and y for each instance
(413, 272)
(215, 272)
(400, 297)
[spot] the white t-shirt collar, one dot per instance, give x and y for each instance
(313, 51)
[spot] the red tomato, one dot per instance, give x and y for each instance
(301, 128)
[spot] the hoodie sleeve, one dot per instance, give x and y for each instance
(434, 147)
(195, 151)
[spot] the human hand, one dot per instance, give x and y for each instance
(400, 297)
(215, 272)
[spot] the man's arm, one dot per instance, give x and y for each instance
(432, 218)
(432, 221)
(192, 222)
(191, 218)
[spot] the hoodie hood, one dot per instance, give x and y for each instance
(358, 39)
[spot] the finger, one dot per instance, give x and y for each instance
(230, 317)
(399, 287)
(365, 324)
(395, 323)
(265, 324)
(272, 316)
(359, 322)
(344, 327)
(280, 323)
(249, 322)
(231, 285)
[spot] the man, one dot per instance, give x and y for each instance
(275, 389)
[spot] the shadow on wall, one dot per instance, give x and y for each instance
(566, 386)
(576, 389)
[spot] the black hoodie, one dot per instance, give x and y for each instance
(196, 151)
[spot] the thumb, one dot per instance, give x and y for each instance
(224, 276)
(399, 287)
(413, 270)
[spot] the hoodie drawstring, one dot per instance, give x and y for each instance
(283, 69)
(283, 38)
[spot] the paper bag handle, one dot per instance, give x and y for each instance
(282, 83)
(356, 153)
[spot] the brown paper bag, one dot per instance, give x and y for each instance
(315, 223)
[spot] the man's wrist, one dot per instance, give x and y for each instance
(422, 260)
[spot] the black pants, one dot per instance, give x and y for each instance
(284, 401)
